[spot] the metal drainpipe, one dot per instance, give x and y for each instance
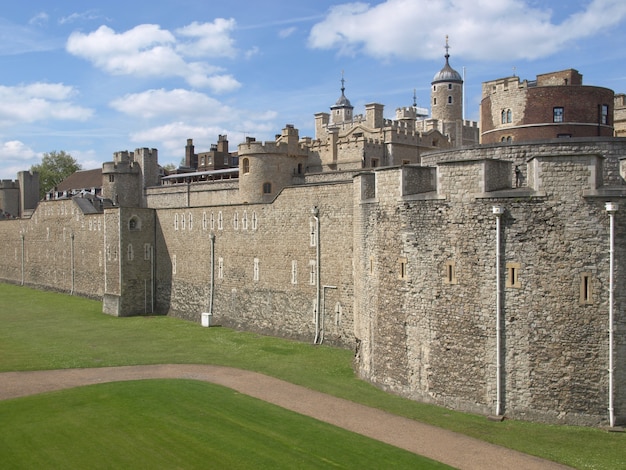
(212, 294)
(498, 211)
(72, 260)
(611, 208)
(22, 258)
(315, 211)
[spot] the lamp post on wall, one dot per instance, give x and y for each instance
(611, 208)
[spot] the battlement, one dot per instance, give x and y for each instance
(120, 166)
(9, 184)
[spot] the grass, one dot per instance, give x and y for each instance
(178, 424)
(43, 330)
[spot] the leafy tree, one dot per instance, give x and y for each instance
(54, 168)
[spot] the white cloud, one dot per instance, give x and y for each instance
(182, 114)
(208, 39)
(147, 50)
(15, 156)
(39, 18)
(285, 33)
(39, 102)
(82, 16)
(173, 104)
(481, 30)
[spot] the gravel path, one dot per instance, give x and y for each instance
(444, 446)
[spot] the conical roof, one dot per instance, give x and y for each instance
(447, 74)
(342, 102)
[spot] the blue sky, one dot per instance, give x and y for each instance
(95, 77)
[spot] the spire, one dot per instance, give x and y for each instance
(343, 82)
(414, 98)
(342, 102)
(447, 73)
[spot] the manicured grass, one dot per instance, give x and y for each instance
(43, 330)
(178, 424)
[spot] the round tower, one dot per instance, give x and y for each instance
(447, 93)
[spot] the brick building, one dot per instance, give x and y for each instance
(555, 105)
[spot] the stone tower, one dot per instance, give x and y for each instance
(447, 93)
(341, 111)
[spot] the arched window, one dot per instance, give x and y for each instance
(504, 116)
(509, 116)
(450, 99)
(245, 166)
(267, 188)
(134, 223)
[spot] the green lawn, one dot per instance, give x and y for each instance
(178, 424)
(43, 330)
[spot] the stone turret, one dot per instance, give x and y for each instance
(265, 168)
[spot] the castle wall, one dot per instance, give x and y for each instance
(10, 197)
(425, 292)
(61, 249)
(263, 263)
(193, 194)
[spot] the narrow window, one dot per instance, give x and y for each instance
(220, 221)
(190, 221)
(374, 163)
(204, 221)
(504, 116)
(254, 221)
(132, 224)
(585, 288)
(402, 268)
(449, 86)
(294, 272)
(129, 252)
(175, 221)
(512, 275)
(435, 101)
(212, 221)
(255, 275)
(299, 168)
(509, 116)
(450, 99)
(244, 220)
(173, 264)
(236, 221)
(604, 114)
(182, 221)
(111, 178)
(312, 272)
(220, 268)
(267, 188)
(450, 272)
(147, 251)
(245, 166)
(371, 265)
(558, 114)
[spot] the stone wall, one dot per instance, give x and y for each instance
(61, 249)
(263, 268)
(425, 293)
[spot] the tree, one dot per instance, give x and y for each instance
(54, 168)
